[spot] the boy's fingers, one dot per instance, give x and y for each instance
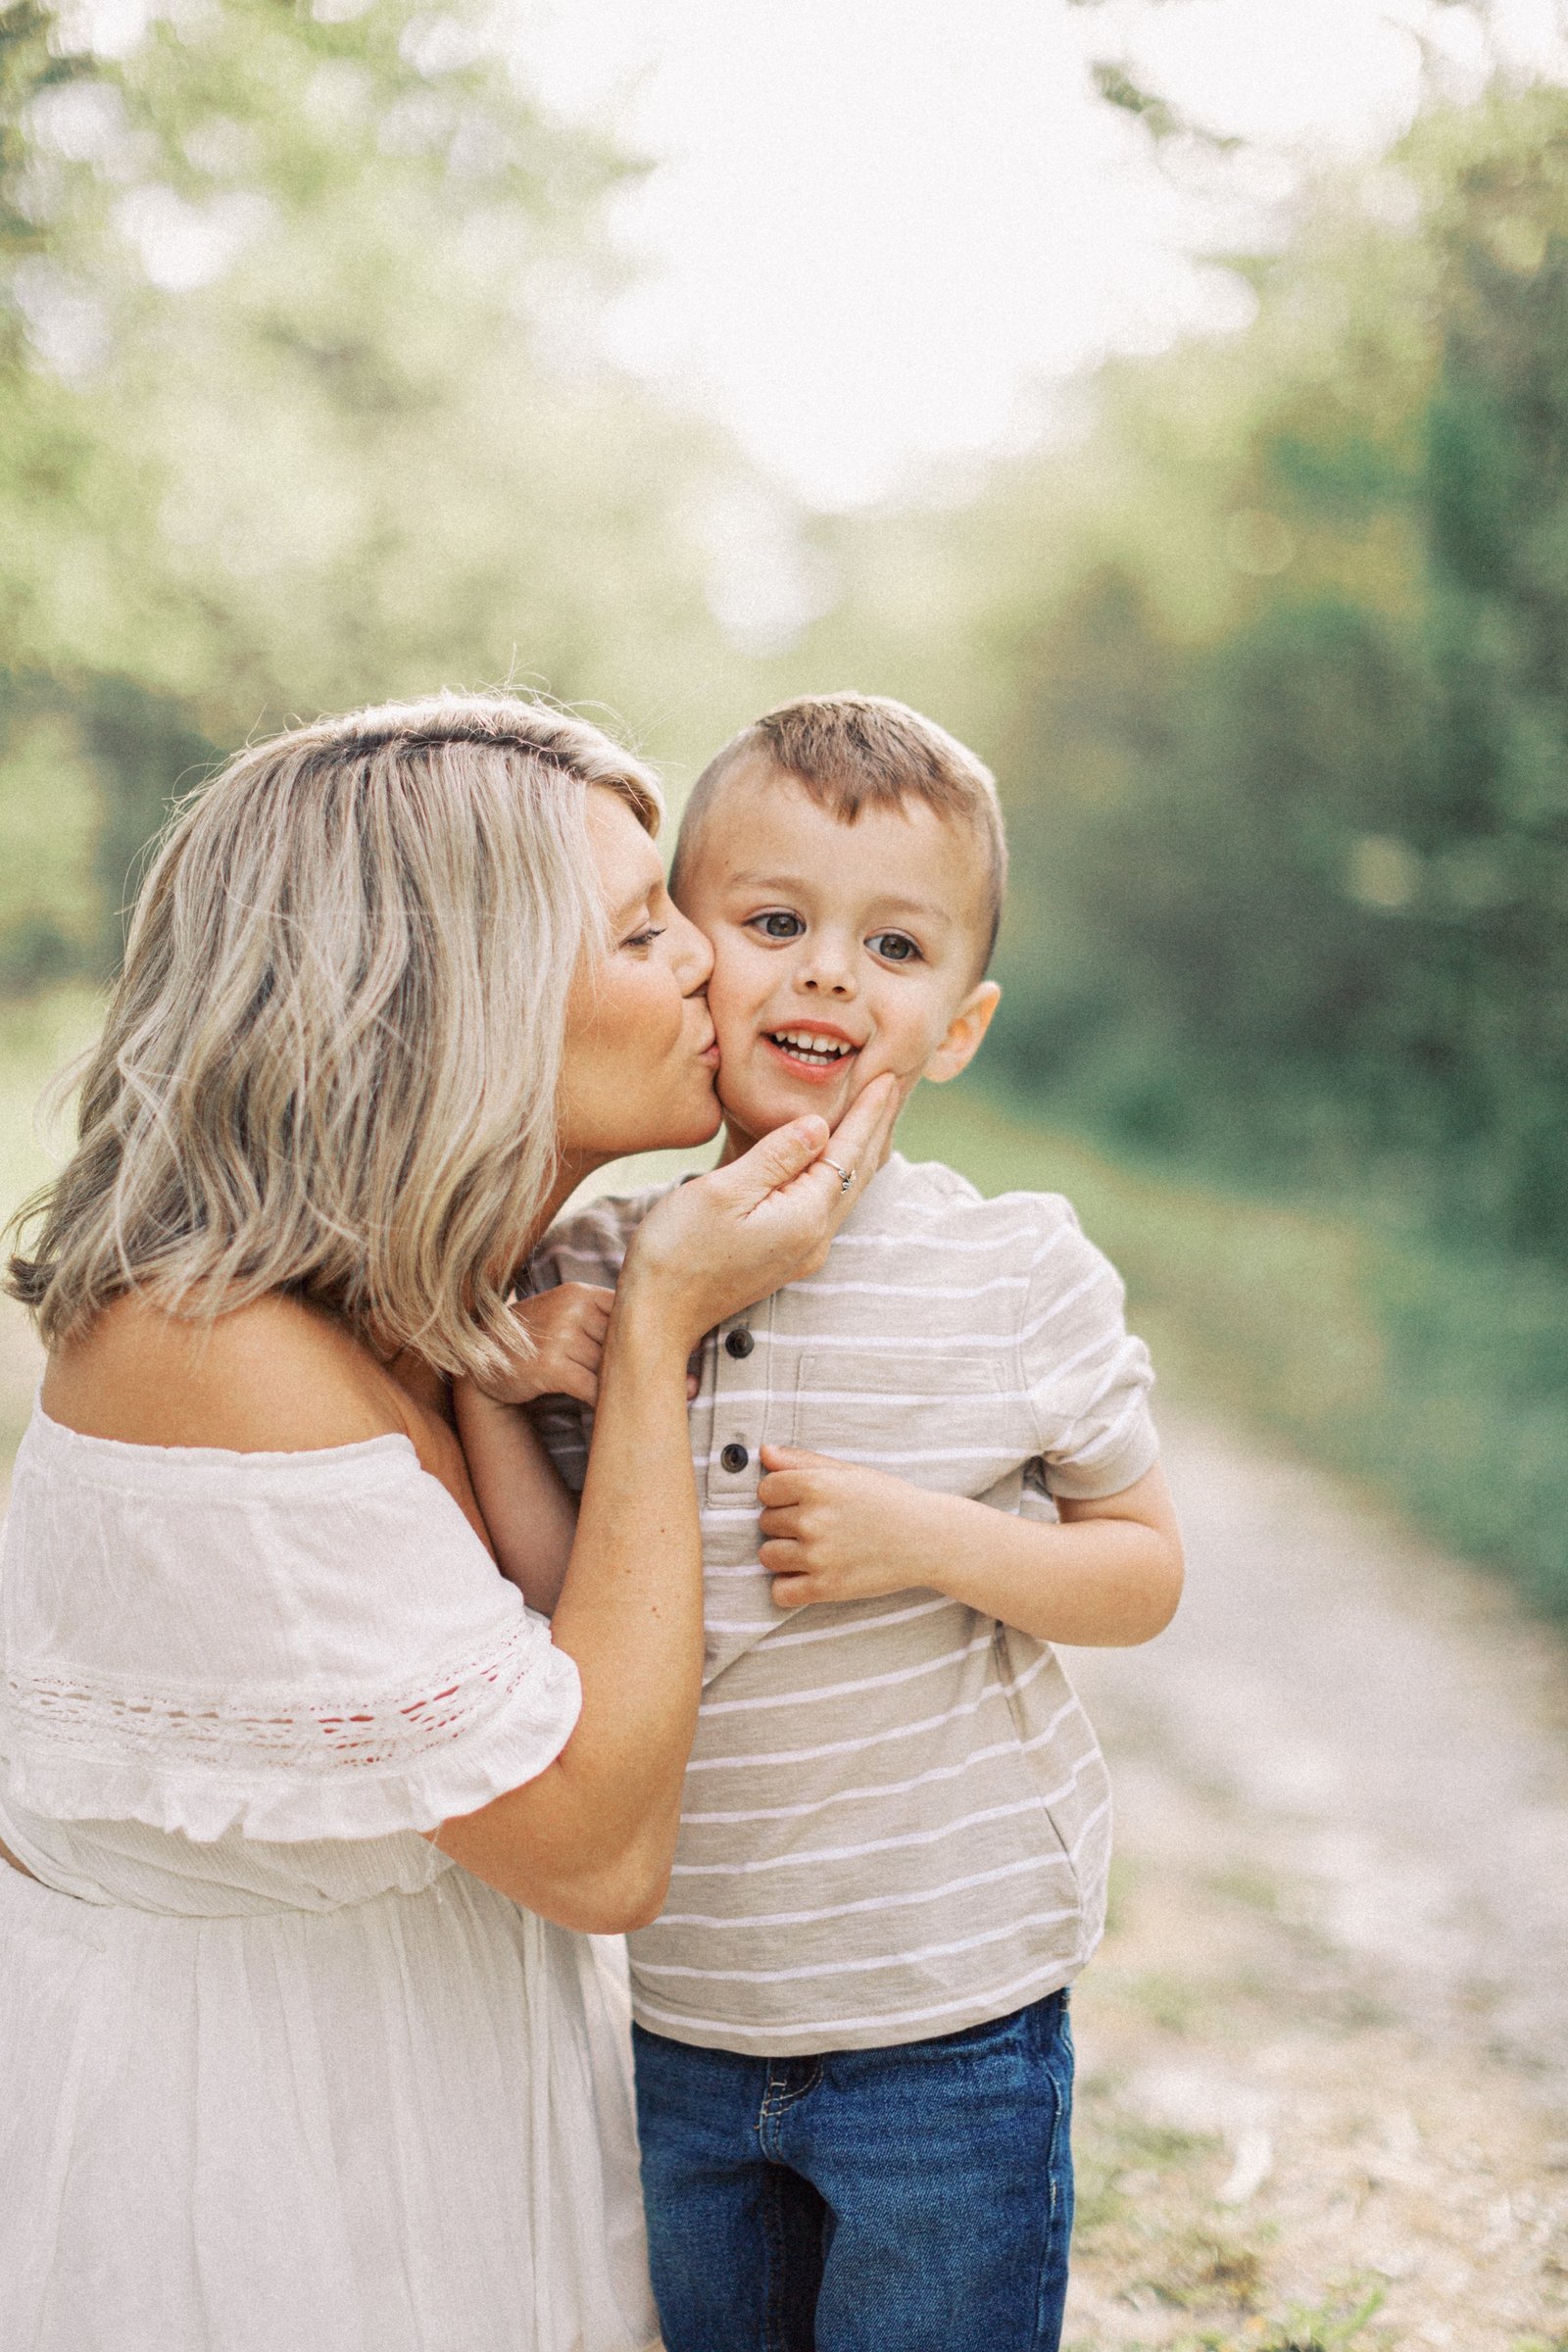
(789, 1457)
(791, 1591)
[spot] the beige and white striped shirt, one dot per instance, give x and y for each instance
(897, 1819)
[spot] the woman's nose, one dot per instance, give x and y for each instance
(691, 952)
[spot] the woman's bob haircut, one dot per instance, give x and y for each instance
(330, 1063)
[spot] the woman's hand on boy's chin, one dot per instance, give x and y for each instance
(722, 1241)
(837, 1531)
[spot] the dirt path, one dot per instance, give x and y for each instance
(1324, 2052)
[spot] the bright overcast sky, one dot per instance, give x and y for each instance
(876, 225)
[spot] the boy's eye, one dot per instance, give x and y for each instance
(777, 923)
(894, 947)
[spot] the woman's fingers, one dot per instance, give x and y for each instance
(862, 1135)
(733, 1236)
(773, 1163)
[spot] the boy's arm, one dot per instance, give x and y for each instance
(530, 1511)
(526, 1505)
(1109, 1575)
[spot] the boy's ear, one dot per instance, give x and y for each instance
(966, 1030)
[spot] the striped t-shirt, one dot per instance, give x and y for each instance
(896, 1820)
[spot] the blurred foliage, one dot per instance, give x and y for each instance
(1273, 663)
(301, 406)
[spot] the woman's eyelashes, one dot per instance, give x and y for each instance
(779, 923)
(646, 937)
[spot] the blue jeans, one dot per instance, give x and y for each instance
(916, 2198)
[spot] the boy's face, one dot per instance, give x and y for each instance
(839, 951)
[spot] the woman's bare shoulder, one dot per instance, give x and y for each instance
(273, 1377)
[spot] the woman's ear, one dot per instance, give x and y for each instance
(966, 1030)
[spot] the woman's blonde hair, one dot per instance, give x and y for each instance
(330, 1063)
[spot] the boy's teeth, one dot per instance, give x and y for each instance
(810, 1048)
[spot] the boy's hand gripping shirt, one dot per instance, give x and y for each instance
(896, 1820)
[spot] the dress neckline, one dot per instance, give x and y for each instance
(122, 1457)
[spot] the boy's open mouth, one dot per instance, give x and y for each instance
(808, 1049)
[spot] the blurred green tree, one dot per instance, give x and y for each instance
(1274, 667)
(303, 404)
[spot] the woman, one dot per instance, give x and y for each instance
(277, 2072)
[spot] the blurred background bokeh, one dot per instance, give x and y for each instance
(1171, 396)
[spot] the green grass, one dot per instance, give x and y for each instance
(1440, 1379)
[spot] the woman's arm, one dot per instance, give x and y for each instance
(589, 1841)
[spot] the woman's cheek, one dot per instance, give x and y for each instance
(662, 1026)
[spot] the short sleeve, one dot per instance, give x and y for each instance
(298, 1646)
(588, 1244)
(1086, 1378)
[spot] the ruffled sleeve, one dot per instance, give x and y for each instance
(1086, 1378)
(299, 1646)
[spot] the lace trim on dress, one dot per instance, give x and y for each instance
(280, 1763)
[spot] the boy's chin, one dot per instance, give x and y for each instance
(749, 1118)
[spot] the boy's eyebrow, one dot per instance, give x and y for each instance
(927, 909)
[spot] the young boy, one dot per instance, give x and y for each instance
(854, 2066)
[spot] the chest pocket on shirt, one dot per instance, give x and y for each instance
(940, 1420)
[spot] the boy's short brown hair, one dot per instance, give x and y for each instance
(850, 752)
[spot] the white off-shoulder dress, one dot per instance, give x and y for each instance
(275, 2073)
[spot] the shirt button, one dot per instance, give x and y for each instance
(740, 1341)
(734, 1457)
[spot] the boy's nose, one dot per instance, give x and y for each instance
(828, 969)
